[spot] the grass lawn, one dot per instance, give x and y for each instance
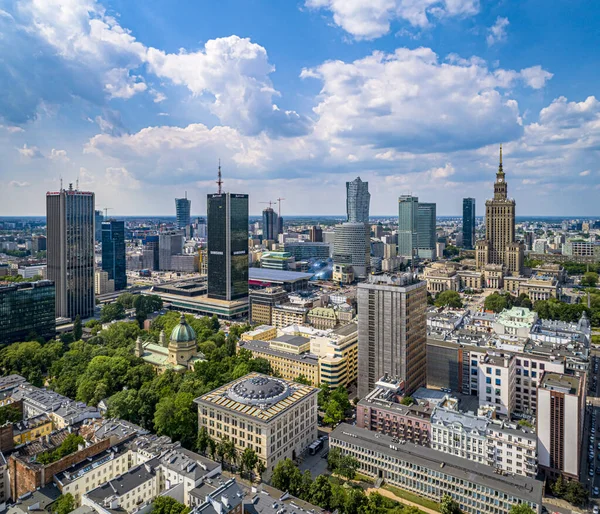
(401, 493)
(364, 478)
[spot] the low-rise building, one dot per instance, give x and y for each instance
(382, 411)
(432, 474)
(276, 418)
(323, 318)
(288, 314)
(260, 333)
(32, 429)
(262, 301)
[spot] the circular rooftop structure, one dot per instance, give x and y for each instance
(259, 390)
(183, 333)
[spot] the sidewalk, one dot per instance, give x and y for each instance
(392, 496)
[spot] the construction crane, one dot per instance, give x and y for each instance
(106, 209)
(269, 202)
(279, 201)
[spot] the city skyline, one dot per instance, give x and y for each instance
(138, 121)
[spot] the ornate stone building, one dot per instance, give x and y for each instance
(499, 246)
(180, 354)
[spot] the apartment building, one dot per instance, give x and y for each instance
(560, 415)
(432, 474)
(496, 378)
(288, 314)
(504, 446)
(276, 418)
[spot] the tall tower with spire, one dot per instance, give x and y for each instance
(500, 246)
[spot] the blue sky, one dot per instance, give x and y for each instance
(139, 100)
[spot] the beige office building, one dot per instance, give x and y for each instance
(276, 418)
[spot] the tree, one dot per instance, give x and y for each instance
(521, 508)
(303, 380)
(10, 413)
(347, 467)
(68, 446)
(590, 279)
(448, 299)
(248, 459)
(64, 504)
(323, 395)
(496, 302)
(451, 251)
(176, 417)
(202, 440)
(334, 413)
(260, 468)
(576, 493)
(111, 312)
(77, 329)
(449, 505)
(168, 505)
(559, 487)
(355, 501)
(407, 400)
(333, 458)
(286, 477)
(126, 300)
(320, 492)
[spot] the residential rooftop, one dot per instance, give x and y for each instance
(558, 382)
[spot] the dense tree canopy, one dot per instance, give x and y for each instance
(448, 299)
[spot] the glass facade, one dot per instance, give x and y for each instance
(407, 226)
(358, 199)
(113, 252)
(469, 223)
(26, 311)
(70, 242)
(183, 208)
(227, 246)
(426, 235)
(270, 224)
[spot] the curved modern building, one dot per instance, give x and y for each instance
(351, 247)
(358, 199)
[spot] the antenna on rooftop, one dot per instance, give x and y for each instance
(219, 179)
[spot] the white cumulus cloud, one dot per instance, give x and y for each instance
(372, 19)
(31, 152)
(497, 32)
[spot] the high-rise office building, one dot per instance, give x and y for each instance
(357, 201)
(169, 243)
(500, 246)
(408, 211)
(113, 252)
(270, 224)
(468, 223)
(426, 234)
(182, 208)
(98, 219)
(316, 234)
(560, 418)
(392, 333)
(38, 243)
(351, 246)
(70, 242)
(150, 253)
(27, 308)
(227, 218)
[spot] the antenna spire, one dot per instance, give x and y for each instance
(219, 179)
(500, 165)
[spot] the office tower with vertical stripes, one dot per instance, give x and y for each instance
(70, 218)
(113, 252)
(468, 220)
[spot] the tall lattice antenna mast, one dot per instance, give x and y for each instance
(219, 179)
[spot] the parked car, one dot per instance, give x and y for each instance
(595, 492)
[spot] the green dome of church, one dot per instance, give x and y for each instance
(183, 333)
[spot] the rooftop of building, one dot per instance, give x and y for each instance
(525, 488)
(346, 330)
(271, 275)
(568, 384)
(257, 396)
(292, 340)
(265, 347)
(217, 495)
(35, 501)
(323, 312)
(291, 307)
(393, 280)
(517, 317)
(188, 463)
(80, 469)
(11, 381)
(123, 484)
(116, 429)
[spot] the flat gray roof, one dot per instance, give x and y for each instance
(263, 346)
(518, 486)
(273, 275)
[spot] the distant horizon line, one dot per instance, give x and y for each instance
(568, 216)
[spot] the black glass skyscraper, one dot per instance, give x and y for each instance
(70, 245)
(270, 224)
(113, 252)
(469, 223)
(227, 219)
(183, 207)
(26, 309)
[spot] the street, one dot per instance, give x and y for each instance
(590, 447)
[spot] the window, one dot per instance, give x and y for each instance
(498, 372)
(498, 382)
(488, 370)
(488, 380)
